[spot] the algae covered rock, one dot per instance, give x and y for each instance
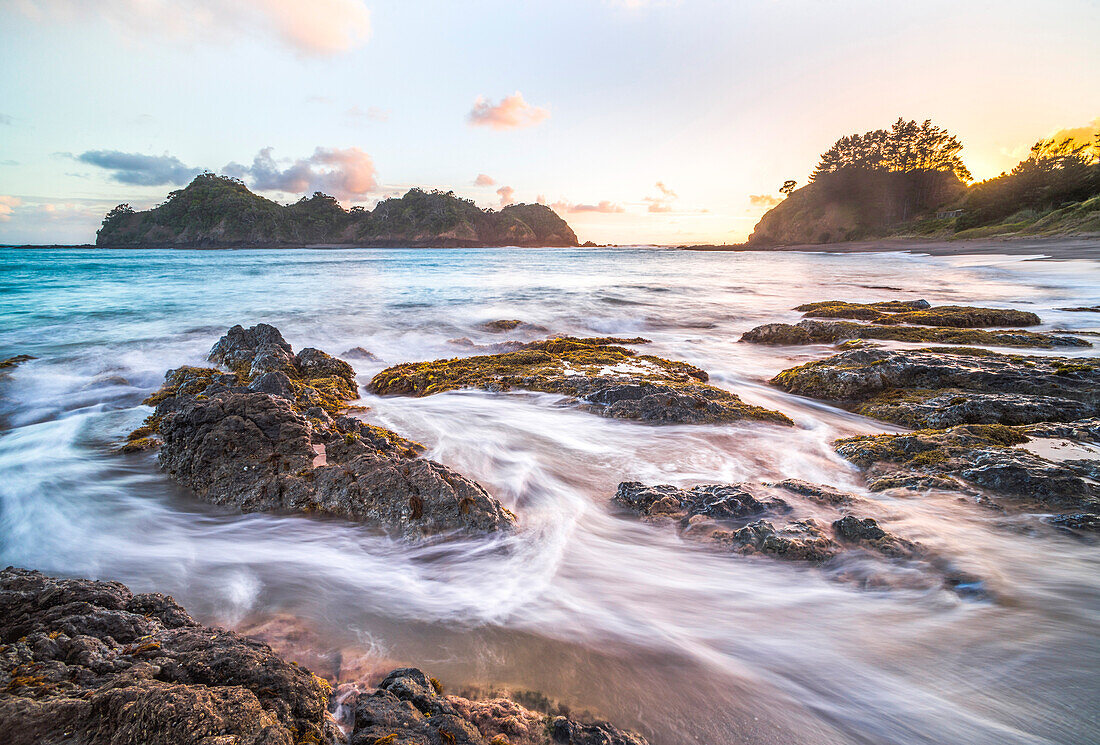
(984, 456)
(830, 332)
(599, 373)
(263, 439)
(86, 662)
(919, 312)
(942, 387)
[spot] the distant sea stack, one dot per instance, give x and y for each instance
(221, 212)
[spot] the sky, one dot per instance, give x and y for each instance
(639, 121)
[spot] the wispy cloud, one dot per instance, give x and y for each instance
(484, 180)
(511, 113)
(763, 200)
(507, 194)
(662, 202)
(343, 173)
(140, 170)
(317, 27)
(605, 206)
(373, 113)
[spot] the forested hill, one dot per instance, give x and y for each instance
(221, 212)
(910, 181)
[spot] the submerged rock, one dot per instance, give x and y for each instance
(943, 387)
(734, 518)
(90, 663)
(273, 436)
(830, 332)
(602, 375)
(12, 362)
(984, 456)
(920, 313)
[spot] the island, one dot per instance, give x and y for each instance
(221, 212)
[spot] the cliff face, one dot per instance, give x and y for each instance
(215, 212)
(855, 204)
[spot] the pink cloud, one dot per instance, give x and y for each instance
(343, 173)
(7, 206)
(484, 180)
(662, 203)
(511, 113)
(506, 195)
(604, 206)
(318, 27)
(763, 200)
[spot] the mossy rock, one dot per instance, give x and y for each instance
(920, 313)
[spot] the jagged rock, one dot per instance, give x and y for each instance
(981, 455)
(940, 387)
(89, 663)
(718, 501)
(280, 440)
(816, 492)
(12, 362)
(829, 332)
(800, 540)
(601, 375)
(867, 532)
(358, 353)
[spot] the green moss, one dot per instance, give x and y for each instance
(895, 312)
(18, 359)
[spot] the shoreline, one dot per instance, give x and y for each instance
(1054, 247)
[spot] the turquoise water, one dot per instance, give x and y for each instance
(587, 606)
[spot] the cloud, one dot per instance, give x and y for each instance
(140, 170)
(484, 180)
(317, 27)
(506, 195)
(7, 206)
(374, 113)
(763, 200)
(343, 173)
(1084, 134)
(511, 113)
(662, 203)
(604, 206)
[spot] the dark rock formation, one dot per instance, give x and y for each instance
(273, 436)
(217, 211)
(984, 456)
(12, 362)
(830, 332)
(603, 376)
(89, 663)
(743, 519)
(943, 387)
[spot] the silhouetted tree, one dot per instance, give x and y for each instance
(788, 186)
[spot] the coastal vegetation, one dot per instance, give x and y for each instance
(219, 211)
(910, 181)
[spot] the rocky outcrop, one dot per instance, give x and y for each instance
(600, 374)
(273, 435)
(943, 387)
(969, 457)
(90, 663)
(830, 332)
(220, 212)
(771, 520)
(920, 313)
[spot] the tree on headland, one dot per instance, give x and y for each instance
(906, 147)
(787, 187)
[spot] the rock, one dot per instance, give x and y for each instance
(867, 533)
(800, 540)
(829, 332)
(942, 387)
(717, 501)
(816, 492)
(504, 324)
(919, 312)
(1076, 521)
(1082, 309)
(598, 373)
(89, 662)
(280, 441)
(411, 706)
(276, 383)
(981, 455)
(358, 353)
(15, 361)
